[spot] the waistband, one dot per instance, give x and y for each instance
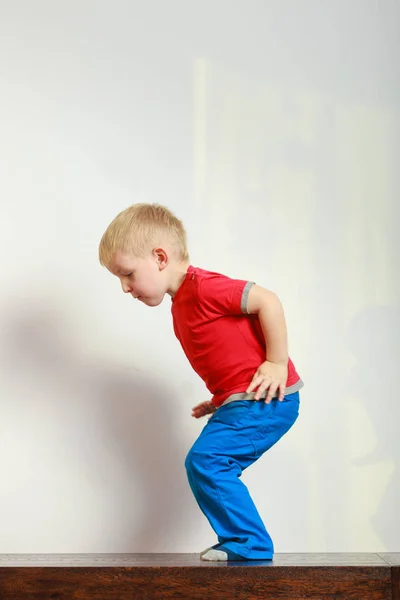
(243, 396)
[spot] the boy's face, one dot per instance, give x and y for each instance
(143, 278)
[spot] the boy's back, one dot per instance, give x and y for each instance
(222, 341)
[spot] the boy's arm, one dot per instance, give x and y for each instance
(272, 374)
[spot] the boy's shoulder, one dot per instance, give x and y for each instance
(210, 282)
(206, 274)
(216, 291)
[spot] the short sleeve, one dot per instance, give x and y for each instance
(223, 295)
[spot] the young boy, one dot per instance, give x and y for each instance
(233, 332)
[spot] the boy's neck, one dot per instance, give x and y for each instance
(178, 273)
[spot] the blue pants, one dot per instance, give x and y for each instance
(234, 437)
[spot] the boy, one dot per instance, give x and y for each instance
(233, 332)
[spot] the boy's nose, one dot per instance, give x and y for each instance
(126, 287)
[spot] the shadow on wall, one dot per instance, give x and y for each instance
(129, 416)
(374, 341)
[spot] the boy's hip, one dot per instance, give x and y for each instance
(246, 428)
(249, 414)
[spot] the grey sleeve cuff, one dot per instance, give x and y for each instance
(245, 296)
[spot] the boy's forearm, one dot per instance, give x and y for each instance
(273, 324)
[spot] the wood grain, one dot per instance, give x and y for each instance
(186, 577)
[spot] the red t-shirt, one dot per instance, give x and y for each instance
(224, 344)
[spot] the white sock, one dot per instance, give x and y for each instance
(214, 555)
(210, 548)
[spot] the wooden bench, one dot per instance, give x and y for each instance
(186, 577)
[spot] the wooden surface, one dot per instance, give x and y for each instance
(193, 560)
(186, 577)
(392, 558)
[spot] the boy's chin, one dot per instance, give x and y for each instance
(153, 301)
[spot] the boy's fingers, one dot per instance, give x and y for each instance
(255, 382)
(271, 392)
(260, 391)
(202, 409)
(266, 382)
(201, 405)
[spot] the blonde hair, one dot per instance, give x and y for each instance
(139, 227)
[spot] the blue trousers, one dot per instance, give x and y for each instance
(235, 437)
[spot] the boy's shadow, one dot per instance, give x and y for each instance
(129, 415)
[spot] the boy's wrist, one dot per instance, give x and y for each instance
(281, 361)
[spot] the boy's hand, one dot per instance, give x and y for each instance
(272, 377)
(204, 408)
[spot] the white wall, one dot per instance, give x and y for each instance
(271, 128)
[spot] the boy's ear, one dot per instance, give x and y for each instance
(161, 257)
